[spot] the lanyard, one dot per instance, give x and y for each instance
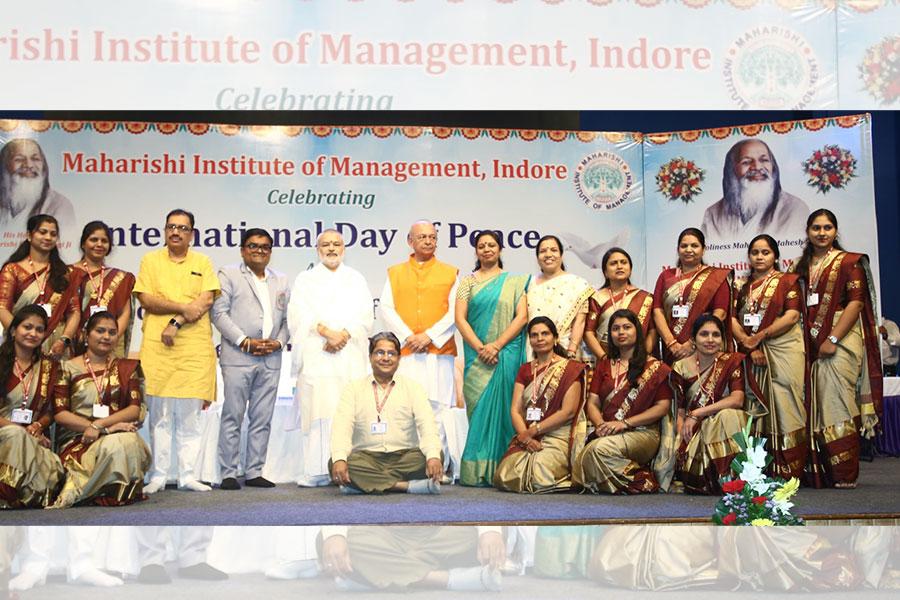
(704, 381)
(26, 382)
(97, 382)
(753, 303)
(380, 402)
(690, 281)
(816, 274)
(538, 380)
(612, 297)
(98, 287)
(618, 378)
(43, 284)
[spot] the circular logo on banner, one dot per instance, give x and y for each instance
(603, 180)
(771, 67)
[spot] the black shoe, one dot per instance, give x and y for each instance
(259, 482)
(153, 574)
(229, 483)
(202, 571)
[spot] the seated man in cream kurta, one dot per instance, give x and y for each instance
(330, 318)
(176, 288)
(417, 305)
(383, 438)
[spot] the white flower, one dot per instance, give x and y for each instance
(756, 456)
(751, 473)
(761, 487)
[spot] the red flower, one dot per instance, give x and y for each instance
(730, 518)
(760, 500)
(733, 487)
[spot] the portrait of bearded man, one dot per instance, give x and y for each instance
(753, 201)
(25, 191)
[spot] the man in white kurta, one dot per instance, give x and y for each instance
(330, 317)
(427, 332)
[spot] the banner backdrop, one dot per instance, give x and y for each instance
(869, 57)
(424, 54)
(822, 163)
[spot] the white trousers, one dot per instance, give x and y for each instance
(190, 543)
(177, 418)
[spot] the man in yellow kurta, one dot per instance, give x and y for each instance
(176, 288)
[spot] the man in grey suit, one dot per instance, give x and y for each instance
(250, 313)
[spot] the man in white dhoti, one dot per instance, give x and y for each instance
(417, 305)
(330, 317)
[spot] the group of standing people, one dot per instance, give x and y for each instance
(613, 390)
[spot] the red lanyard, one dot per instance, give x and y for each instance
(98, 287)
(615, 302)
(753, 303)
(538, 379)
(380, 402)
(43, 284)
(26, 382)
(816, 274)
(690, 281)
(618, 378)
(97, 382)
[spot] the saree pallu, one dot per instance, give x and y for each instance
(110, 471)
(20, 288)
(117, 287)
(783, 380)
(560, 299)
(699, 294)
(488, 388)
(656, 557)
(620, 464)
(637, 301)
(549, 469)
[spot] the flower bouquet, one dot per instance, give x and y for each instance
(880, 70)
(832, 167)
(680, 179)
(753, 498)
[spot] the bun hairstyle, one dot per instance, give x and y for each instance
(606, 256)
(537, 249)
(802, 268)
(557, 349)
(638, 359)
(693, 231)
(493, 235)
(58, 278)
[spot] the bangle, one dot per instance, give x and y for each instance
(94, 426)
(673, 342)
(626, 423)
(538, 428)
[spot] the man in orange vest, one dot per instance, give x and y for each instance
(417, 306)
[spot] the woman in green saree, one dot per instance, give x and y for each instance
(491, 311)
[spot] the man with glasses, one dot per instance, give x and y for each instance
(176, 288)
(330, 317)
(251, 315)
(383, 438)
(417, 306)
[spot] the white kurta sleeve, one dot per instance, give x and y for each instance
(389, 314)
(444, 329)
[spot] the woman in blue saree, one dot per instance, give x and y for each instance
(491, 311)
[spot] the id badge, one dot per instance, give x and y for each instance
(378, 428)
(47, 308)
(101, 411)
(812, 299)
(96, 309)
(681, 311)
(534, 414)
(752, 319)
(22, 416)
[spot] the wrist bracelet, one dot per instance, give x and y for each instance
(626, 423)
(670, 344)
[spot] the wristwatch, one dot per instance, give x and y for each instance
(174, 321)
(833, 339)
(66, 340)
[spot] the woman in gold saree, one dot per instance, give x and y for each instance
(684, 293)
(547, 414)
(30, 473)
(767, 328)
(845, 376)
(35, 274)
(490, 315)
(97, 404)
(629, 396)
(710, 388)
(617, 293)
(558, 295)
(105, 288)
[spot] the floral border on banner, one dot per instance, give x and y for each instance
(741, 4)
(350, 131)
(780, 127)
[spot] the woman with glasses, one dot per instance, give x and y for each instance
(105, 289)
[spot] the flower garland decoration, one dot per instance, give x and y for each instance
(880, 70)
(754, 498)
(832, 167)
(680, 179)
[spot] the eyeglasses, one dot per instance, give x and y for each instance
(181, 228)
(254, 246)
(383, 353)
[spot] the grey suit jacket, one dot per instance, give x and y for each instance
(237, 312)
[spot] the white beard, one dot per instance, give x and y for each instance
(755, 197)
(21, 194)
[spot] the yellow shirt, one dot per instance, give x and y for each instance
(188, 368)
(407, 412)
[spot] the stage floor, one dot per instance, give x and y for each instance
(878, 496)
